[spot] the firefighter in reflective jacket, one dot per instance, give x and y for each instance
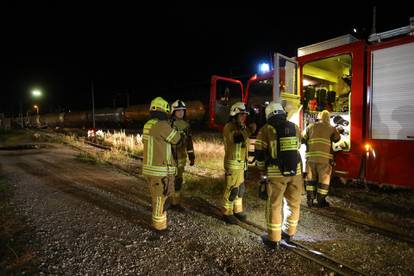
(279, 162)
(182, 150)
(159, 167)
(318, 138)
(236, 141)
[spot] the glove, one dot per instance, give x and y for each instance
(238, 138)
(253, 127)
(263, 188)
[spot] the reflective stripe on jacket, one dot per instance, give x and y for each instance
(157, 138)
(318, 138)
(236, 154)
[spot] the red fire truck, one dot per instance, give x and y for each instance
(368, 86)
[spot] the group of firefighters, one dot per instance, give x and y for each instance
(168, 143)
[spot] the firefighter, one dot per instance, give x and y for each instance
(318, 138)
(236, 142)
(158, 165)
(279, 163)
(181, 151)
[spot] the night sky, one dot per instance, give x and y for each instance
(164, 50)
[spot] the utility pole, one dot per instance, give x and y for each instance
(374, 20)
(93, 104)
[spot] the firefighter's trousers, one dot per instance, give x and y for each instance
(279, 188)
(179, 181)
(318, 177)
(233, 192)
(161, 188)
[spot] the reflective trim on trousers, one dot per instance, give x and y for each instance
(322, 191)
(310, 187)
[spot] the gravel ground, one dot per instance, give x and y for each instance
(93, 219)
(82, 229)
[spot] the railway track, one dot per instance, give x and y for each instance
(388, 230)
(202, 206)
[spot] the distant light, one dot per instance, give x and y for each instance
(36, 93)
(35, 107)
(355, 30)
(264, 68)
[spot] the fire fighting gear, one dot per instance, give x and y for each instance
(238, 108)
(159, 167)
(324, 116)
(318, 138)
(322, 203)
(230, 219)
(159, 104)
(178, 105)
(234, 192)
(279, 187)
(286, 236)
(178, 183)
(274, 108)
(263, 189)
(289, 188)
(235, 163)
(274, 245)
(242, 190)
(338, 120)
(310, 187)
(241, 216)
(181, 150)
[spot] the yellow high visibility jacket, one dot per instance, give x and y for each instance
(318, 138)
(157, 138)
(235, 156)
(266, 150)
(186, 147)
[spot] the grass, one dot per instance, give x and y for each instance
(88, 158)
(121, 141)
(209, 152)
(203, 185)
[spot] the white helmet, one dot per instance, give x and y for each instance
(178, 105)
(237, 108)
(274, 108)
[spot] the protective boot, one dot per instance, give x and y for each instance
(286, 236)
(231, 219)
(309, 201)
(322, 203)
(241, 216)
(274, 245)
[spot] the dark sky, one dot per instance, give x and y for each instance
(160, 50)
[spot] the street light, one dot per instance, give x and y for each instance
(37, 93)
(37, 109)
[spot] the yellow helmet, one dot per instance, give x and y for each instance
(274, 108)
(324, 116)
(237, 108)
(159, 104)
(178, 105)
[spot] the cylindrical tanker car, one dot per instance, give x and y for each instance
(131, 116)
